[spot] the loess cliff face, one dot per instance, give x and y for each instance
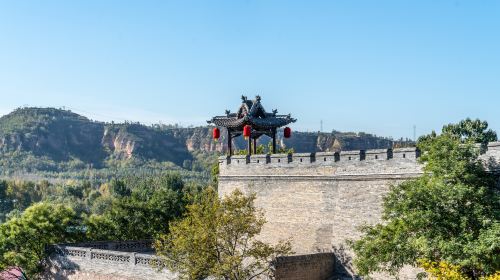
(200, 139)
(62, 135)
(119, 144)
(125, 141)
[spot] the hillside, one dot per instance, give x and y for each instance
(55, 140)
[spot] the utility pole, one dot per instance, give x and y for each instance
(414, 133)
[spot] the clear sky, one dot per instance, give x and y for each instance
(374, 66)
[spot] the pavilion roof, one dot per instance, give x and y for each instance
(251, 112)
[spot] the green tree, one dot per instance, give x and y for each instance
(449, 214)
(130, 218)
(214, 174)
(217, 238)
(23, 239)
(6, 203)
(471, 130)
(144, 213)
(118, 188)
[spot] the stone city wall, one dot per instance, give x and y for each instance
(318, 199)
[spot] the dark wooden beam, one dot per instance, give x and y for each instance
(229, 143)
(274, 140)
(249, 148)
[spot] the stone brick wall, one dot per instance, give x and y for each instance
(320, 200)
(305, 267)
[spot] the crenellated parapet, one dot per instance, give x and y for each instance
(342, 157)
(341, 165)
(361, 162)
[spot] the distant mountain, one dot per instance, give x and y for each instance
(41, 138)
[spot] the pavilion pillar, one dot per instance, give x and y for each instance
(249, 148)
(255, 146)
(274, 140)
(229, 143)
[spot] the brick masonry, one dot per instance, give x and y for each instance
(314, 266)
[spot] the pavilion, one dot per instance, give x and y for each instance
(252, 121)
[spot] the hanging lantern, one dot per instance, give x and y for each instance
(287, 132)
(247, 131)
(216, 134)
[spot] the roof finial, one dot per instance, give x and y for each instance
(257, 98)
(243, 98)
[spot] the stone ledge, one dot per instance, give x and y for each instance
(353, 177)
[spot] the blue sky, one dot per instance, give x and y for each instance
(374, 66)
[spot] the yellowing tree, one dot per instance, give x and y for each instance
(216, 238)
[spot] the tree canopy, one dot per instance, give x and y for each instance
(475, 131)
(33, 214)
(137, 212)
(23, 239)
(216, 238)
(450, 214)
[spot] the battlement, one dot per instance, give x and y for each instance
(339, 158)
(400, 163)
(342, 157)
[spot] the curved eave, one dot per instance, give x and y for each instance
(268, 123)
(257, 123)
(228, 122)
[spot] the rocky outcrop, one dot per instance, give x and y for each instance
(118, 143)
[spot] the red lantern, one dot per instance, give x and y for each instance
(287, 132)
(247, 131)
(216, 134)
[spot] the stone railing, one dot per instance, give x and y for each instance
(122, 246)
(125, 253)
(106, 260)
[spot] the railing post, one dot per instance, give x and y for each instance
(132, 259)
(88, 253)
